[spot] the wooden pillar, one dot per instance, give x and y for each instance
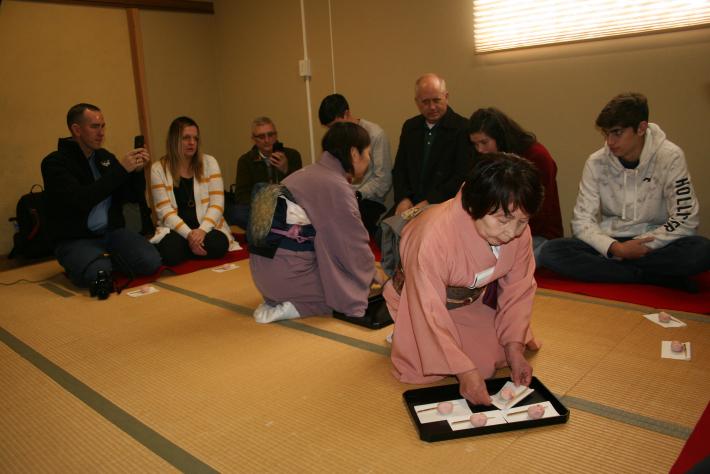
(136, 40)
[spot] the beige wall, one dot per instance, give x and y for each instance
(381, 47)
(52, 57)
(180, 66)
(227, 68)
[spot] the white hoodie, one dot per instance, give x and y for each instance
(655, 199)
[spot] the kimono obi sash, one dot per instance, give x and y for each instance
(457, 296)
(276, 221)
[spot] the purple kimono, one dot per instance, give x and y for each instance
(338, 274)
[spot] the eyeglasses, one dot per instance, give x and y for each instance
(264, 136)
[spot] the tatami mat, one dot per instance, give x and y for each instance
(203, 387)
(44, 428)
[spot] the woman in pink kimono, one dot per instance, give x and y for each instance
(463, 298)
(332, 270)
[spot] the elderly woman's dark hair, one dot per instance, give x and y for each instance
(509, 136)
(341, 137)
(502, 180)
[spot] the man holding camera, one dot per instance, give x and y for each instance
(268, 161)
(86, 187)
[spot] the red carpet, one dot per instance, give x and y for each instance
(646, 295)
(188, 266)
(697, 447)
(375, 250)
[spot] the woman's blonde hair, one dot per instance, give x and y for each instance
(171, 161)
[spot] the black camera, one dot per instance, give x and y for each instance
(102, 286)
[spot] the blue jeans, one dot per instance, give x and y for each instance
(681, 258)
(129, 251)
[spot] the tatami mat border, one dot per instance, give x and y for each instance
(206, 299)
(634, 419)
(56, 289)
(152, 440)
(701, 318)
(350, 341)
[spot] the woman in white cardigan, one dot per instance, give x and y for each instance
(188, 195)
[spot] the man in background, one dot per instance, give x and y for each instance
(434, 153)
(372, 190)
(268, 161)
(86, 187)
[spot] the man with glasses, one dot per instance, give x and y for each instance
(268, 161)
(637, 213)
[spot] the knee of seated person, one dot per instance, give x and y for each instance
(217, 248)
(170, 259)
(149, 261)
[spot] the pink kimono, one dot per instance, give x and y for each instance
(338, 274)
(441, 248)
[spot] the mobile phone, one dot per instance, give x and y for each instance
(139, 141)
(278, 146)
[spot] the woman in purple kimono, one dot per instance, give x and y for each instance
(321, 259)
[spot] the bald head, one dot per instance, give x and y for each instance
(430, 80)
(431, 97)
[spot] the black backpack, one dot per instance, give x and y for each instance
(32, 238)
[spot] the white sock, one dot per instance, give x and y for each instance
(268, 314)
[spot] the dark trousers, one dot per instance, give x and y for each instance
(237, 214)
(124, 249)
(681, 258)
(175, 249)
(370, 212)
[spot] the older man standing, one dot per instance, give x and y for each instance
(434, 153)
(372, 189)
(268, 161)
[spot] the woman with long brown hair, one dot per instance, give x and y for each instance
(188, 195)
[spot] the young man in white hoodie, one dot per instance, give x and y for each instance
(636, 214)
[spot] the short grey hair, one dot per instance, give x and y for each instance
(263, 120)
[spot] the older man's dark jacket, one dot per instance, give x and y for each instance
(449, 160)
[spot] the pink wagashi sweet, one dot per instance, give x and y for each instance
(478, 420)
(507, 393)
(677, 346)
(444, 408)
(664, 317)
(536, 411)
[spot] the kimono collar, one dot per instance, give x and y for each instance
(332, 163)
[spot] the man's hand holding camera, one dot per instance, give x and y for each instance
(279, 161)
(135, 159)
